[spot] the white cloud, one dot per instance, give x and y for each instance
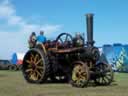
(13, 20)
(17, 41)
(6, 9)
(50, 28)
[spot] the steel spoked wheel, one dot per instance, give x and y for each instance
(104, 74)
(35, 66)
(65, 40)
(80, 75)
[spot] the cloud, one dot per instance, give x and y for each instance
(6, 9)
(50, 28)
(16, 30)
(13, 20)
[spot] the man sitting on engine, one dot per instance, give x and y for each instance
(41, 38)
(32, 40)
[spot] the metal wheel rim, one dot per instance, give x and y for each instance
(106, 76)
(34, 66)
(80, 75)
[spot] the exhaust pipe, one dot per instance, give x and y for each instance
(89, 21)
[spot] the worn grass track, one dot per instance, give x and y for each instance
(13, 84)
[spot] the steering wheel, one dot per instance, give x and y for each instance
(64, 40)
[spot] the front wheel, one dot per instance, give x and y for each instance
(80, 74)
(104, 74)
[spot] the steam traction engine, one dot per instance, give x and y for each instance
(61, 60)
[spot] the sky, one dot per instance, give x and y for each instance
(18, 18)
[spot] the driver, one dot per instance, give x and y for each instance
(78, 41)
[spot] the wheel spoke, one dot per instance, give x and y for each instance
(61, 40)
(31, 57)
(66, 38)
(36, 57)
(37, 76)
(104, 80)
(40, 67)
(107, 78)
(82, 77)
(28, 61)
(29, 70)
(38, 73)
(33, 76)
(84, 74)
(38, 61)
(30, 73)
(101, 79)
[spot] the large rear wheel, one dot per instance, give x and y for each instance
(35, 66)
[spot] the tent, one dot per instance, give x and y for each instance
(17, 58)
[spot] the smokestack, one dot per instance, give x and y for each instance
(89, 21)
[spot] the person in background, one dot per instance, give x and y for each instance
(41, 38)
(78, 41)
(32, 40)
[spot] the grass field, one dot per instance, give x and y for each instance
(13, 84)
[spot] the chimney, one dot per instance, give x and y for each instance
(89, 21)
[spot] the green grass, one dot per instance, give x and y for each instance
(13, 84)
